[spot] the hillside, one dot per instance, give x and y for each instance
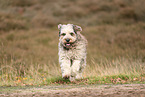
(115, 30)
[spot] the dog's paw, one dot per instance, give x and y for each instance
(66, 77)
(79, 76)
(72, 78)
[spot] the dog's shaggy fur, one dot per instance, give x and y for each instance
(72, 51)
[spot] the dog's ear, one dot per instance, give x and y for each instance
(77, 28)
(59, 26)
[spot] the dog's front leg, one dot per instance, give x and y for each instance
(65, 68)
(76, 70)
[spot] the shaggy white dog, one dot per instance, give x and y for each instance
(72, 51)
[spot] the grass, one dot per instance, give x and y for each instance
(115, 72)
(29, 41)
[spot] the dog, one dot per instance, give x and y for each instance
(72, 51)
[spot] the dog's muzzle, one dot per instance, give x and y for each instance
(68, 45)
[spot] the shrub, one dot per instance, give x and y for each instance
(128, 13)
(22, 3)
(42, 20)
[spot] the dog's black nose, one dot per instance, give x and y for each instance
(67, 40)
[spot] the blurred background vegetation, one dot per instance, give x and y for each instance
(115, 30)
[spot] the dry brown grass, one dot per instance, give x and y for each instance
(29, 37)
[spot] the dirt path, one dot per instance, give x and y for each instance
(127, 90)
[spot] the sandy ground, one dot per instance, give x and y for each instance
(126, 90)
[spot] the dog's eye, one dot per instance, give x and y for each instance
(71, 34)
(63, 34)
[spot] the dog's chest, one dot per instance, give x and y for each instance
(72, 54)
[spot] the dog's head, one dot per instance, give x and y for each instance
(68, 34)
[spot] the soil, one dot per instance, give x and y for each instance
(125, 90)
